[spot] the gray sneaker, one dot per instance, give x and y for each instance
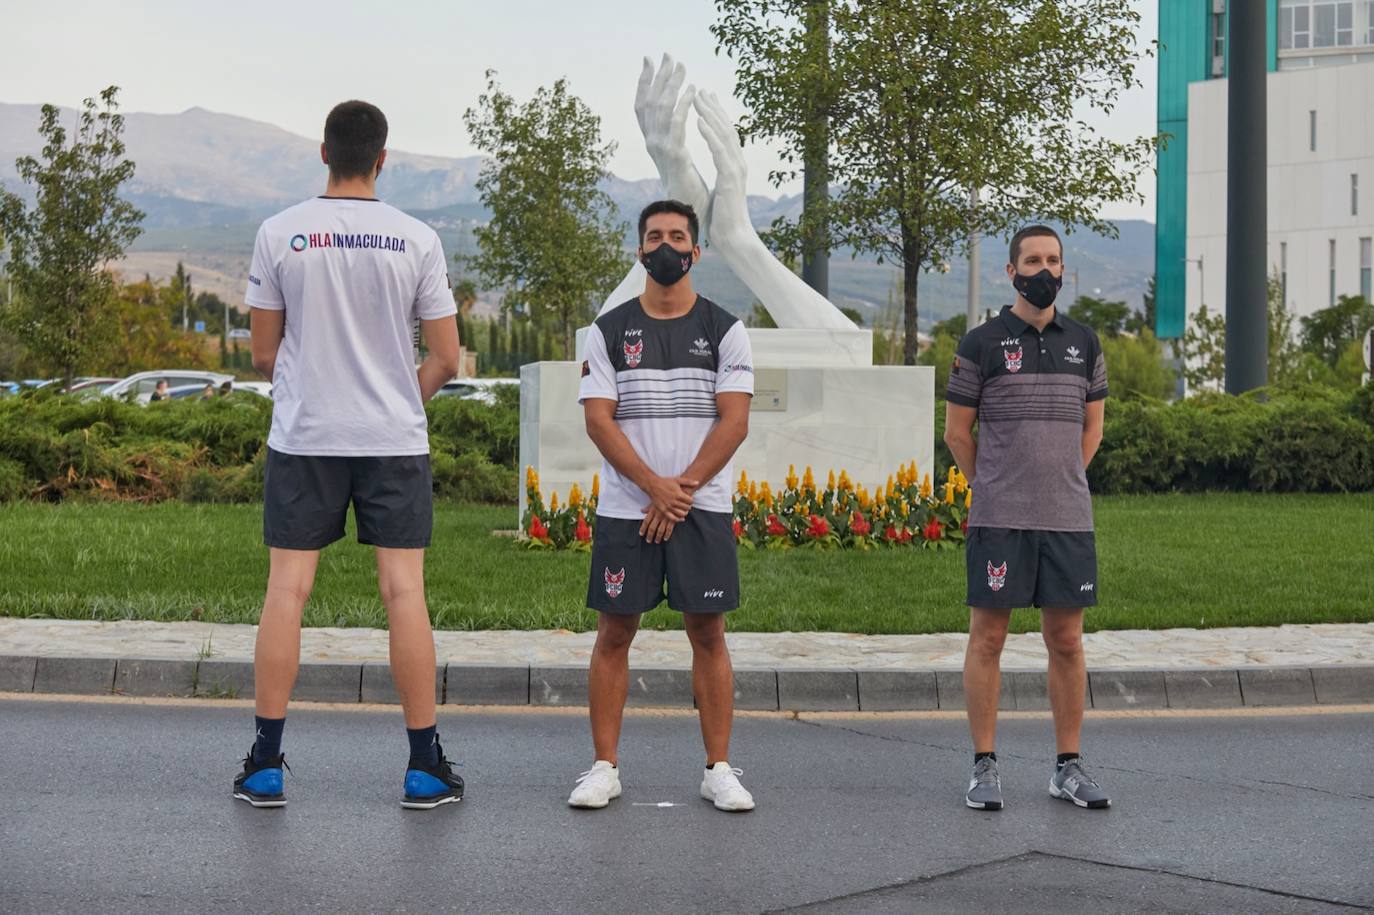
(985, 787)
(1071, 783)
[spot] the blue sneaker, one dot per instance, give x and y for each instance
(426, 786)
(260, 784)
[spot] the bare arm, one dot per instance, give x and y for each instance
(266, 327)
(441, 339)
(1092, 429)
(959, 437)
(670, 495)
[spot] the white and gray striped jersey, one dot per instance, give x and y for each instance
(664, 376)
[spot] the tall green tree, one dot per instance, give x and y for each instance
(1328, 332)
(63, 307)
(553, 245)
(1109, 319)
(928, 99)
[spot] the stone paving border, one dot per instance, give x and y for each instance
(883, 690)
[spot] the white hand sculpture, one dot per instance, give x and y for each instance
(788, 299)
(724, 212)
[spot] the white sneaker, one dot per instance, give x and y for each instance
(596, 787)
(721, 787)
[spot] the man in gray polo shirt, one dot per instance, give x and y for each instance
(1035, 382)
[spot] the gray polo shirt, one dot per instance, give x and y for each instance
(1030, 389)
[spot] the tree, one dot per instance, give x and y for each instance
(149, 338)
(759, 317)
(1109, 319)
(58, 248)
(954, 326)
(1327, 333)
(1139, 321)
(1203, 351)
(1136, 368)
(552, 245)
(930, 98)
(1284, 354)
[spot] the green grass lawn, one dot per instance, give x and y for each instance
(1171, 560)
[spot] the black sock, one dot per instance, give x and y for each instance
(988, 755)
(267, 744)
(1063, 758)
(423, 744)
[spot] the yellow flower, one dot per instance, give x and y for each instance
(596, 486)
(575, 496)
(926, 488)
(830, 482)
(743, 482)
(846, 484)
(960, 481)
(968, 497)
(791, 480)
(766, 495)
(753, 491)
(808, 480)
(952, 472)
(949, 493)
(863, 498)
(891, 486)
(553, 502)
(906, 509)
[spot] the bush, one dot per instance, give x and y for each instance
(1297, 439)
(470, 477)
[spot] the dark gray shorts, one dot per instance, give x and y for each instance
(1019, 568)
(306, 497)
(699, 564)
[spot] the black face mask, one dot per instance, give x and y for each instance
(1038, 288)
(666, 264)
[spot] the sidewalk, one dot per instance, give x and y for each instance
(1178, 668)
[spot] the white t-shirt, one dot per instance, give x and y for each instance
(353, 275)
(664, 376)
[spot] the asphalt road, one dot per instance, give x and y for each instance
(125, 807)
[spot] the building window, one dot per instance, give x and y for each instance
(1295, 25)
(1354, 195)
(1283, 272)
(1312, 130)
(1219, 38)
(1369, 22)
(1366, 267)
(1321, 24)
(1331, 272)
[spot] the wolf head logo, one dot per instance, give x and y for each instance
(633, 353)
(1013, 358)
(997, 576)
(615, 582)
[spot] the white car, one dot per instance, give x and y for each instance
(483, 389)
(263, 388)
(140, 387)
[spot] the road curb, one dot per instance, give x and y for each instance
(782, 689)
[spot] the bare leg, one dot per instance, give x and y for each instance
(608, 681)
(401, 580)
(277, 656)
(987, 633)
(713, 682)
(1068, 680)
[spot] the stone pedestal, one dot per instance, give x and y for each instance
(818, 401)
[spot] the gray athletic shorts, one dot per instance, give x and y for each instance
(696, 569)
(1010, 568)
(306, 497)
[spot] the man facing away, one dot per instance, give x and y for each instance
(1036, 383)
(335, 287)
(666, 387)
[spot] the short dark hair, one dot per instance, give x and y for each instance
(1033, 232)
(354, 137)
(669, 206)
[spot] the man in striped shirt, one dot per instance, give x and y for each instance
(1035, 382)
(666, 387)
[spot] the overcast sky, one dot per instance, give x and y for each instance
(422, 61)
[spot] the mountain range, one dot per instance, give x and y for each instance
(205, 179)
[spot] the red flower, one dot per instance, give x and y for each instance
(818, 528)
(964, 526)
(739, 529)
(775, 527)
(934, 530)
(582, 532)
(537, 529)
(898, 535)
(858, 526)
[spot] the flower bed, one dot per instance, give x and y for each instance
(908, 510)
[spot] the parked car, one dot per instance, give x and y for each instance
(139, 387)
(90, 386)
(28, 384)
(263, 388)
(483, 389)
(240, 333)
